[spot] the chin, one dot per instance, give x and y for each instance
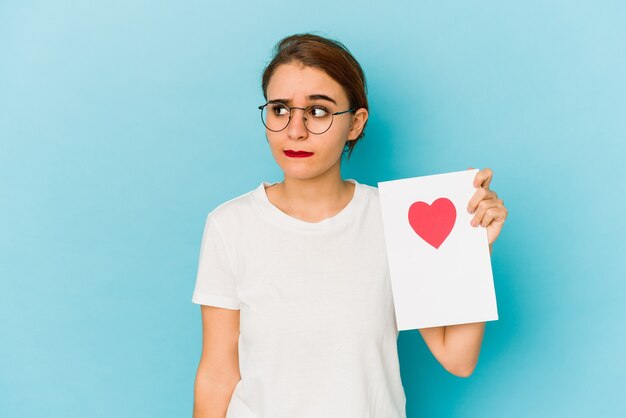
(303, 169)
(305, 174)
(300, 175)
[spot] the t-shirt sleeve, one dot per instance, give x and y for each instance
(215, 281)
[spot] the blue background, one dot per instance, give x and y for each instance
(122, 123)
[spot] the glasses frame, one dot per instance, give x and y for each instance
(303, 117)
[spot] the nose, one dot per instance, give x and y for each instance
(296, 128)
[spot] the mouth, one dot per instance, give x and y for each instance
(297, 154)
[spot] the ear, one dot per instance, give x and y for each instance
(358, 122)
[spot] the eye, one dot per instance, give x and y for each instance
(318, 111)
(278, 109)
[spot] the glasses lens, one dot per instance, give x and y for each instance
(317, 119)
(275, 116)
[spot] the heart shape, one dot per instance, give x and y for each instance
(433, 222)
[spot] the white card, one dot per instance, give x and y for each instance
(440, 265)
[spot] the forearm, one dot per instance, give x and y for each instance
(211, 396)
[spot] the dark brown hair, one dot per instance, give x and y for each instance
(328, 55)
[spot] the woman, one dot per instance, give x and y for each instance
(297, 308)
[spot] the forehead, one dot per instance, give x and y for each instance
(295, 81)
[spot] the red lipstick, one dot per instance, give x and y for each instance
(297, 154)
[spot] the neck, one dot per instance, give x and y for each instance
(313, 191)
(312, 199)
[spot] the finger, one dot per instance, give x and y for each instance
(494, 215)
(481, 210)
(479, 195)
(483, 178)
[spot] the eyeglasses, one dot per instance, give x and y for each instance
(317, 119)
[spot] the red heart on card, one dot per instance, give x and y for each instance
(433, 222)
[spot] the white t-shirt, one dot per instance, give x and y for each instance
(318, 333)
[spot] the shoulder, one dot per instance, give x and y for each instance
(371, 192)
(234, 210)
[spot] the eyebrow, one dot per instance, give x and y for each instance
(311, 97)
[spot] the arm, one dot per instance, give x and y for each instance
(218, 371)
(456, 347)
